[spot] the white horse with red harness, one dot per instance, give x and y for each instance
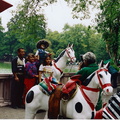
(60, 63)
(82, 105)
(35, 98)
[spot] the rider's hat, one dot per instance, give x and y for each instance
(40, 42)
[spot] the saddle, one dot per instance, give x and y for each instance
(48, 85)
(70, 87)
(65, 93)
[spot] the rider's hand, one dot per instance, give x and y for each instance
(81, 64)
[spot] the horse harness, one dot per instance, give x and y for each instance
(71, 59)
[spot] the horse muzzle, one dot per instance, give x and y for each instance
(108, 90)
(73, 59)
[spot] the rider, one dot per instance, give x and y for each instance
(41, 53)
(87, 67)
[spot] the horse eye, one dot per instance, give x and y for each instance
(100, 75)
(68, 51)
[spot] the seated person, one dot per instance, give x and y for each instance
(86, 68)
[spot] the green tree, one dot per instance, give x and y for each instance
(84, 40)
(54, 37)
(109, 25)
(27, 26)
(108, 20)
(1, 40)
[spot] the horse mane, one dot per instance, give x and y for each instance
(88, 79)
(61, 54)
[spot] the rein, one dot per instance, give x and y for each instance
(71, 58)
(86, 97)
(58, 68)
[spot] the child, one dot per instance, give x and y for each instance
(30, 73)
(46, 69)
(41, 53)
(46, 73)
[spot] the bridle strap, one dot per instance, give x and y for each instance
(69, 55)
(58, 68)
(90, 89)
(105, 85)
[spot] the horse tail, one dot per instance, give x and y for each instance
(54, 104)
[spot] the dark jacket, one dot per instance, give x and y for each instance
(17, 68)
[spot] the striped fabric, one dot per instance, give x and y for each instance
(112, 110)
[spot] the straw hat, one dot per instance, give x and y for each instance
(40, 42)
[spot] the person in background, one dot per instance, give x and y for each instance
(113, 70)
(17, 85)
(114, 75)
(87, 67)
(30, 74)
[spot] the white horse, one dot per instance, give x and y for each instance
(35, 98)
(60, 63)
(82, 105)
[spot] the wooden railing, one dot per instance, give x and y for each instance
(5, 86)
(6, 80)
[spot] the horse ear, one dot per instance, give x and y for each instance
(107, 65)
(101, 64)
(72, 46)
(68, 45)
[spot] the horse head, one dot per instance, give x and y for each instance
(70, 53)
(104, 79)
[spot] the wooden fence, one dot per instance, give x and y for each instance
(6, 80)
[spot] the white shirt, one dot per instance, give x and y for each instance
(47, 70)
(21, 62)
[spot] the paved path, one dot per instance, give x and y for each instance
(7, 112)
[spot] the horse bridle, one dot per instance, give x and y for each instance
(105, 85)
(67, 51)
(71, 58)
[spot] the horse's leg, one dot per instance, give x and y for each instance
(35, 100)
(46, 115)
(32, 102)
(29, 114)
(41, 115)
(31, 110)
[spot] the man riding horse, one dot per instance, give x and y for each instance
(87, 67)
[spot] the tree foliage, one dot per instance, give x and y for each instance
(109, 24)
(1, 39)
(26, 27)
(84, 40)
(108, 21)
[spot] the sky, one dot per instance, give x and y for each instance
(57, 15)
